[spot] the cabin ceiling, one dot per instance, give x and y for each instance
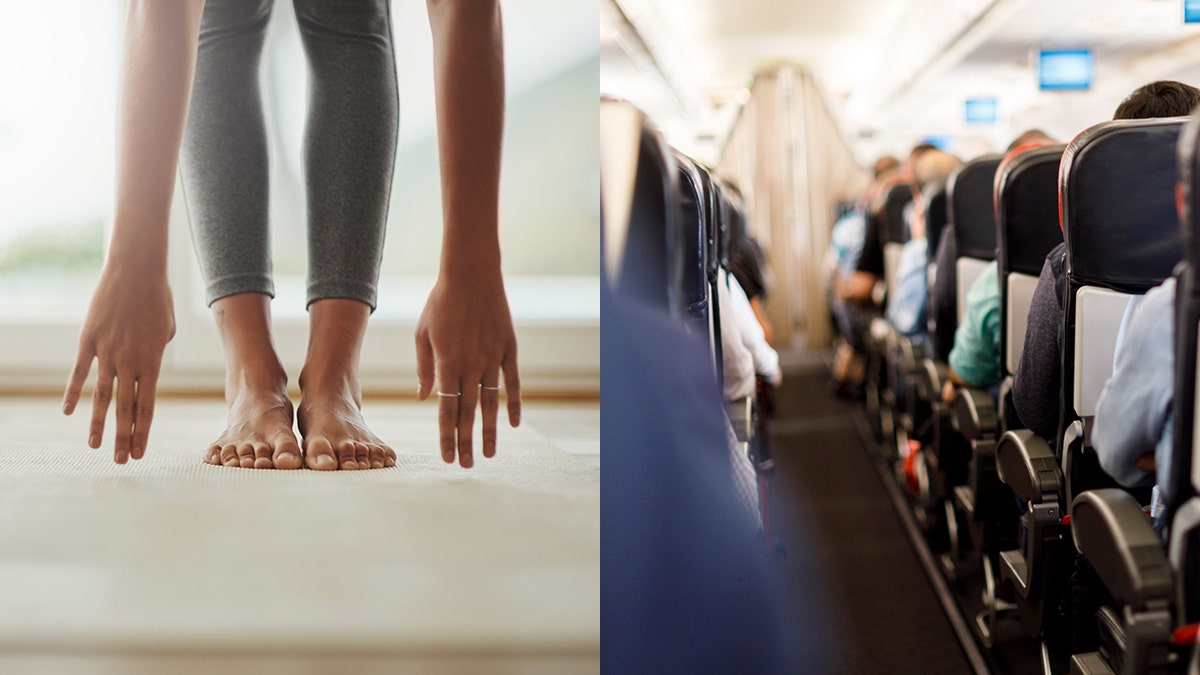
(894, 70)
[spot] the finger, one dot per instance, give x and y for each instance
(466, 422)
(425, 365)
(448, 404)
(100, 400)
(124, 432)
(79, 373)
(489, 404)
(147, 387)
(512, 386)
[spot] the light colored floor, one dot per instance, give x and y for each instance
(170, 565)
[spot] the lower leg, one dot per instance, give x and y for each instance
(330, 417)
(260, 433)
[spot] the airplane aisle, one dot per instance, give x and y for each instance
(835, 518)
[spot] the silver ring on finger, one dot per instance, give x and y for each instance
(489, 388)
(449, 395)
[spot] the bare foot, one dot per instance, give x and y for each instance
(260, 433)
(331, 423)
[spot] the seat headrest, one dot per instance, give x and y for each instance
(936, 219)
(1027, 209)
(692, 239)
(645, 272)
(971, 208)
(895, 230)
(1117, 191)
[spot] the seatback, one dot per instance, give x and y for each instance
(972, 213)
(1026, 194)
(936, 220)
(894, 232)
(1183, 505)
(1116, 185)
(640, 213)
(692, 243)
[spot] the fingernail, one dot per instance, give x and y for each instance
(66, 408)
(94, 440)
(448, 457)
(122, 458)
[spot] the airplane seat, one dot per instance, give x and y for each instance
(1158, 598)
(893, 234)
(694, 290)
(1116, 187)
(967, 431)
(640, 223)
(1027, 217)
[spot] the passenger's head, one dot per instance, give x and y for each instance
(1165, 98)
(907, 170)
(883, 165)
(930, 171)
(1031, 137)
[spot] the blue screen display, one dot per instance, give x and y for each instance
(980, 111)
(1065, 69)
(1191, 11)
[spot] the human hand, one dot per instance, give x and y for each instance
(129, 323)
(949, 390)
(465, 338)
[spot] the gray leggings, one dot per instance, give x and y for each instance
(349, 147)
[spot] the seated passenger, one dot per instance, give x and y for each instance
(906, 307)
(1038, 377)
(870, 263)
(1134, 420)
(764, 358)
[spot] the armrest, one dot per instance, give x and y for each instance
(930, 376)
(1113, 533)
(1027, 464)
(975, 413)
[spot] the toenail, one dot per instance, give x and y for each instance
(286, 455)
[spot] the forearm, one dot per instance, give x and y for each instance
(469, 85)
(160, 57)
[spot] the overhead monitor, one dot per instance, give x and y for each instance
(1191, 11)
(1065, 69)
(980, 111)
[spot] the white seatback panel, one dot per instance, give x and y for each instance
(1098, 314)
(1020, 297)
(968, 270)
(891, 261)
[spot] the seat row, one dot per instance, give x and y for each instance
(1032, 520)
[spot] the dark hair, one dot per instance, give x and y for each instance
(1165, 98)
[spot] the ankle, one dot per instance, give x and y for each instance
(327, 382)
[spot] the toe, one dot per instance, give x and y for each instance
(287, 454)
(362, 455)
(245, 453)
(346, 453)
(229, 455)
(262, 456)
(213, 455)
(389, 456)
(376, 453)
(319, 455)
